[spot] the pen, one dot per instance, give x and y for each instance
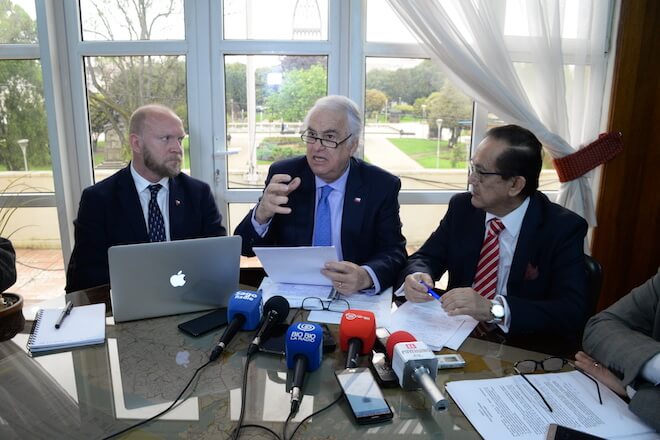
(429, 290)
(64, 314)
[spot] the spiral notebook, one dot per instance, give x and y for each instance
(85, 325)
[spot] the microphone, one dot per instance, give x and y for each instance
(416, 366)
(357, 334)
(243, 313)
(276, 310)
(304, 352)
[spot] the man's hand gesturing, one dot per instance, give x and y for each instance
(275, 195)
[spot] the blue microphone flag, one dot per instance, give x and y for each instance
(247, 303)
(304, 339)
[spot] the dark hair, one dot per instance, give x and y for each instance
(524, 157)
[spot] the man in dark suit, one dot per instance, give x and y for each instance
(150, 200)
(533, 262)
(364, 223)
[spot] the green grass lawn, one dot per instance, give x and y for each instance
(424, 152)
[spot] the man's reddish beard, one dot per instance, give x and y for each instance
(162, 170)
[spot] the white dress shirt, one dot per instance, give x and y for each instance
(508, 239)
(142, 187)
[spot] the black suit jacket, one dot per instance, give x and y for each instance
(370, 229)
(546, 290)
(110, 214)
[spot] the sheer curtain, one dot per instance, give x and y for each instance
(519, 58)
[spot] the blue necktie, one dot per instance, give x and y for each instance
(322, 223)
(156, 223)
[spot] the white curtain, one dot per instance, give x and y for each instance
(519, 58)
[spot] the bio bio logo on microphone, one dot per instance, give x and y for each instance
(303, 326)
(303, 335)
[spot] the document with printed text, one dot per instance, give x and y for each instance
(429, 323)
(508, 407)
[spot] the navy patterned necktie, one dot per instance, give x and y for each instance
(156, 223)
(322, 223)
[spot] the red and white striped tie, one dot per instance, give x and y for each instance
(485, 281)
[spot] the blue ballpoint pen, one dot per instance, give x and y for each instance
(429, 290)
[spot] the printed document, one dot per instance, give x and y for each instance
(429, 323)
(294, 293)
(380, 305)
(296, 265)
(508, 407)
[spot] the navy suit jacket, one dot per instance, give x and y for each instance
(546, 290)
(370, 227)
(110, 214)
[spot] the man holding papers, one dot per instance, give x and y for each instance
(329, 198)
(514, 258)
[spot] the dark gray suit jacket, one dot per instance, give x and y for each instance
(624, 337)
(110, 214)
(370, 228)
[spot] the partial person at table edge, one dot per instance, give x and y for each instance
(149, 200)
(328, 197)
(622, 345)
(515, 259)
(7, 264)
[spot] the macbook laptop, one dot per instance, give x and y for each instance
(171, 277)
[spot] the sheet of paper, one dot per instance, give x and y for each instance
(508, 407)
(294, 293)
(296, 265)
(429, 323)
(380, 305)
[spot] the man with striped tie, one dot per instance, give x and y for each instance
(149, 200)
(514, 258)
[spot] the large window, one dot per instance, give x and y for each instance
(28, 216)
(241, 74)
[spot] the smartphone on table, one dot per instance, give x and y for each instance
(365, 398)
(205, 323)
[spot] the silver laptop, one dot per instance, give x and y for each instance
(171, 277)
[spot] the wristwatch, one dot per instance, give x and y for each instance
(496, 311)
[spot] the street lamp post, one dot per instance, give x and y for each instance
(23, 143)
(437, 150)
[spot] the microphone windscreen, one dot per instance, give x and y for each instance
(395, 338)
(304, 339)
(280, 305)
(357, 324)
(248, 304)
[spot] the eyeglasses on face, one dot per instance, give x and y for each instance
(549, 364)
(481, 174)
(313, 303)
(327, 143)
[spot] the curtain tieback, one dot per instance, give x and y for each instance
(586, 159)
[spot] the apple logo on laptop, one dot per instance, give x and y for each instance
(178, 279)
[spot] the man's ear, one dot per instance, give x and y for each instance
(134, 141)
(354, 146)
(517, 186)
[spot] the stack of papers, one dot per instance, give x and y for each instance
(297, 265)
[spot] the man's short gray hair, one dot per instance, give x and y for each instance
(340, 103)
